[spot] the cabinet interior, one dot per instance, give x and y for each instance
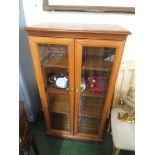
(96, 62)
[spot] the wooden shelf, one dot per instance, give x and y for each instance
(59, 104)
(87, 92)
(51, 89)
(92, 107)
(94, 63)
(57, 63)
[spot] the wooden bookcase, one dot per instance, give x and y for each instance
(80, 52)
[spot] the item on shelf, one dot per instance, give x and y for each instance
(83, 84)
(110, 58)
(59, 81)
(97, 84)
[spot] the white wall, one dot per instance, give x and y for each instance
(34, 14)
(28, 90)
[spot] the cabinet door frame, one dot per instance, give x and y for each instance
(79, 43)
(34, 41)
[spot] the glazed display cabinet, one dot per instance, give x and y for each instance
(76, 68)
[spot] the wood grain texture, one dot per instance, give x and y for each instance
(75, 27)
(78, 62)
(63, 30)
(71, 83)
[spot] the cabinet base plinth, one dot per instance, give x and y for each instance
(75, 137)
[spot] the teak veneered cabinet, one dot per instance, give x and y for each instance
(88, 58)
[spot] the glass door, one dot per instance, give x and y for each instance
(55, 59)
(93, 66)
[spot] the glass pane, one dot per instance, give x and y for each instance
(59, 103)
(60, 121)
(95, 73)
(54, 62)
(54, 65)
(53, 55)
(59, 111)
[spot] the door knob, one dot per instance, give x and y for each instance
(71, 89)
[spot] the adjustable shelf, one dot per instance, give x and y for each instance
(87, 92)
(55, 63)
(51, 89)
(94, 63)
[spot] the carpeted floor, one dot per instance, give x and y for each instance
(49, 145)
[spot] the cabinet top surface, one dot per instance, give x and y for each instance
(85, 28)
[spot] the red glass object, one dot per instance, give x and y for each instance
(97, 84)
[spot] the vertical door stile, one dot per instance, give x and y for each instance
(71, 83)
(78, 56)
(39, 77)
(74, 75)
